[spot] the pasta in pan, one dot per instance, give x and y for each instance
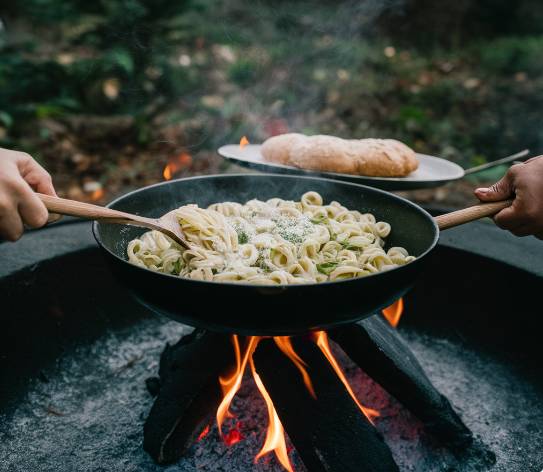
(273, 242)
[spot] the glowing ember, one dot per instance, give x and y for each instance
(393, 313)
(232, 437)
(97, 194)
(204, 434)
(321, 338)
(176, 164)
(286, 346)
(243, 142)
(275, 438)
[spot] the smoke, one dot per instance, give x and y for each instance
(300, 50)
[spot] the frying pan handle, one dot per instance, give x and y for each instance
(456, 218)
(94, 212)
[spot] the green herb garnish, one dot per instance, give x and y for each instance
(318, 220)
(290, 237)
(327, 268)
(242, 238)
(176, 267)
(349, 247)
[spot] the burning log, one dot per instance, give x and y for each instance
(324, 429)
(189, 395)
(374, 346)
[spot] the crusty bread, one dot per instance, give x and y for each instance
(371, 157)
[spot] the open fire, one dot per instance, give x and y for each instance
(202, 373)
(275, 438)
(393, 313)
(243, 142)
(176, 164)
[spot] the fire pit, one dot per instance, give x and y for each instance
(76, 351)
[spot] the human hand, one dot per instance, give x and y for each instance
(20, 177)
(525, 182)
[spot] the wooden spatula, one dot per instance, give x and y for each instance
(166, 224)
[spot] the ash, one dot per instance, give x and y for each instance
(89, 415)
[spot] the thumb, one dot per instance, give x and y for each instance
(499, 191)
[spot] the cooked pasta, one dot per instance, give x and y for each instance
(273, 242)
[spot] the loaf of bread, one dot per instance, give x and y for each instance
(371, 157)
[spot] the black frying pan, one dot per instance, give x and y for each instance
(267, 310)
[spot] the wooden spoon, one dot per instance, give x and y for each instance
(166, 224)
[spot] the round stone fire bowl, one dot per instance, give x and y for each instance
(75, 351)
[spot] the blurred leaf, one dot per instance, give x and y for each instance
(243, 71)
(411, 112)
(122, 58)
(48, 110)
(478, 161)
(6, 119)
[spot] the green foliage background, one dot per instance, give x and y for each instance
(464, 81)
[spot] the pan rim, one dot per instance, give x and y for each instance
(282, 176)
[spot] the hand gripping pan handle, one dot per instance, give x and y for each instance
(457, 218)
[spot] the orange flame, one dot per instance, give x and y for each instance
(176, 164)
(275, 437)
(393, 312)
(204, 434)
(231, 385)
(243, 142)
(321, 338)
(286, 346)
(97, 194)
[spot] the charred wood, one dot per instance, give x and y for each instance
(189, 396)
(167, 361)
(375, 347)
(168, 358)
(153, 385)
(330, 433)
(378, 350)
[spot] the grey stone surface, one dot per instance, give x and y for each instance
(44, 244)
(486, 239)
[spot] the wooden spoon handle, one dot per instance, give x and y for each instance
(456, 218)
(94, 212)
